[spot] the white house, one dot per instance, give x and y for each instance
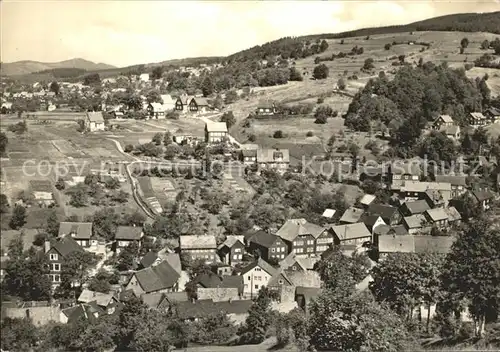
(94, 121)
(255, 276)
(144, 77)
(168, 102)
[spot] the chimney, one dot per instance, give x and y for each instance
(46, 246)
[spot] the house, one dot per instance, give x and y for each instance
(236, 311)
(199, 247)
(144, 77)
(443, 121)
(159, 278)
(80, 231)
(329, 213)
(106, 301)
(458, 183)
(182, 103)
(454, 216)
(372, 222)
(82, 311)
(276, 159)
(383, 230)
(452, 132)
(483, 197)
(248, 156)
(265, 108)
(232, 249)
(351, 234)
(255, 276)
(154, 258)
(42, 192)
(56, 251)
(433, 244)
(367, 200)
(198, 105)
(493, 114)
(477, 119)
(267, 245)
(435, 198)
(413, 190)
(414, 207)
(304, 238)
(416, 223)
(215, 132)
(389, 214)
(437, 217)
(403, 171)
(125, 235)
(94, 121)
(156, 111)
(352, 215)
(168, 102)
(292, 262)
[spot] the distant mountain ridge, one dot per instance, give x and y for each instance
(28, 66)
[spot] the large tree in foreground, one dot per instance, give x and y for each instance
(472, 271)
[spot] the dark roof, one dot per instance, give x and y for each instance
(265, 104)
(66, 245)
(41, 185)
(259, 263)
(81, 230)
(83, 310)
(417, 207)
(385, 211)
(157, 277)
(249, 152)
(130, 233)
(370, 220)
(435, 244)
(149, 259)
(482, 195)
(387, 230)
(211, 280)
(263, 238)
(307, 292)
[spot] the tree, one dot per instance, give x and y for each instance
(207, 86)
(472, 270)
(167, 139)
(278, 134)
(3, 143)
(368, 64)
(215, 329)
(18, 334)
(128, 148)
(323, 46)
(92, 79)
(112, 183)
(321, 71)
(467, 207)
(228, 118)
(258, 320)
(467, 146)
(18, 218)
(341, 84)
(157, 138)
(464, 43)
(295, 75)
(4, 204)
(74, 271)
(54, 87)
(127, 257)
(355, 323)
(157, 72)
(438, 147)
(60, 185)
(401, 58)
(79, 197)
(52, 224)
(102, 281)
(104, 223)
(387, 46)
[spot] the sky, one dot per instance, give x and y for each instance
(123, 33)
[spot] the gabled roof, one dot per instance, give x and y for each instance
(211, 280)
(371, 220)
(216, 127)
(308, 278)
(82, 310)
(453, 180)
(167, 99)
(477, 116)
(453, 214)
(66, 245)
(415, 221)
(95, 117)
(416, 207)
(421, 187)
(445, 118)
(293, 228)
(290, 260)
(232, 240)
(262, 238)
(367, 199)
(101, 299)
(148, 259)
(279, 275)
(273, 155)
(157, 107)
(159, 277)
(434, 196)
(128, 233)
(197, 242)
(329, 213)
(482, 195)
(265, 104)
(308, 292)
(350, 231)
(390, 230)
(352, 215)
(200, 101)
(81, 230)
(396, 244)
(268, 268)
(41, 186)
(249, 152)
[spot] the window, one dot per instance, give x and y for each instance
(56, 278)
(256, 287)
(299, 250)
(237, 250)
(249, 278)
(273, 250)
(310, 242)
(310, 249)
(54, 256)
(235, 256)
(294, 268)
(280, 282)
(56, 267)
(258, 269)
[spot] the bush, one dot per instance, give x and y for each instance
(252, 138)
(309, 134)
(320, 100)
(321, 119)
(321, 71)
(128, 148)
(387, 46)
(341, 84)
(278, 134)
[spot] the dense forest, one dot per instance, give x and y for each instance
(64, 72)
(465, 22)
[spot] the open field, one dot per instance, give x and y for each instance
(493, 81)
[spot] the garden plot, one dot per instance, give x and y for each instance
(67, 148)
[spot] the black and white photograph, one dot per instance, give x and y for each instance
(249, 176)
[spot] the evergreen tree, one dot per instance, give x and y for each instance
(258, 320)
(18, 218)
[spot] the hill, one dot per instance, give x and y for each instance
(27, 67)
